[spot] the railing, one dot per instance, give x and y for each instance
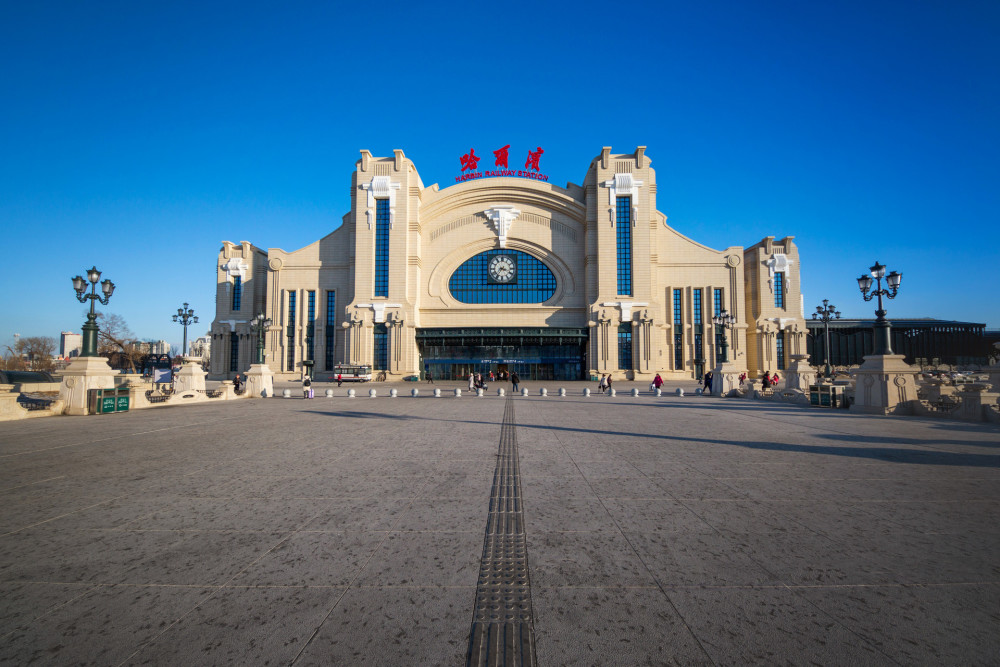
(157, 397)
(32, 403)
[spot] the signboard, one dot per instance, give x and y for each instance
(122, 405)
(470, 165)
(161, 375)
(107, 404)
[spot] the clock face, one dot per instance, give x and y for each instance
(502, 269)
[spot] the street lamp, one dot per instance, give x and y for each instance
(90, 327)
(185, 316)
(883, 345)
(825, 314)
(725, 320)
(260, 324)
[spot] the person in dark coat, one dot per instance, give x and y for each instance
(708, 382)
(515, 379)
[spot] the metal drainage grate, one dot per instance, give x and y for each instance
(502, 632)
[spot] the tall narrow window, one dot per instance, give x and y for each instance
(779, 344)
(331, 327)
(237, 292)
(719, 331)
(779, 289)
(291, 330)
(381, 247)
(623, 223)
(311, 328)
(381, 348)
(625, 345)
(234, 352)
(698, 341)
(678, 332)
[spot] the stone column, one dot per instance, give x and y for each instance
(82, 375)
(191, 377)
(974, 398)
(884, 385)
(799, 374)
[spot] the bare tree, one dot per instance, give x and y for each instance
(116, 341)
(30, 353)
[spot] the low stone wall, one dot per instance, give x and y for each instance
(11, 410)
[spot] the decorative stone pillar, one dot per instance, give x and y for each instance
(799, 374)
(974, 398)
(885, 385)
(191, 377)
(260, 381)
(82, 375)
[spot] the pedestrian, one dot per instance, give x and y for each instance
(603, 384)
(708, 382)
(340, 379)
(609, 384)
(515, 379)
(307, 391)
(766, 382)
(237, 383)
(491, 376)
(472, 381)
(430, 378)
(774, 380)
(657, 382)
(743, 378)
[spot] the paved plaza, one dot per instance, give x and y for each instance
(674, 530)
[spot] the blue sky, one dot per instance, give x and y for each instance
(138, 136)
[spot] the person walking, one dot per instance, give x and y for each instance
(515, 379)
(307, 391)
(609, 384)
(472, 381)
(657, 382)
(603, 384)
(708, 382)
(340, 379)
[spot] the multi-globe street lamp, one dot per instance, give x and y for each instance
(90, 327)
(725, 320)
(883, 344)
(260, 324)
(825, 314)
(185, 316)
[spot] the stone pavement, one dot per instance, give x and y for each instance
(690, 530)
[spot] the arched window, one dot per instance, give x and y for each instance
(502, 276)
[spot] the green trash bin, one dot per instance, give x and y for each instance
(103, 401)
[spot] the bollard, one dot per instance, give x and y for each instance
(350, 393)
(612, 393)
(543, 392)
(658, 392)
(414, 393)
(698, 391)
(501, 391)
(586, 392)
(286, 393)
(524, 392)
(437, 392)
(635, 392)
(392, 393)
(679, 392)
(562, 391)
(329, 393)
(372, 393)
(479, 393)
(458, 393)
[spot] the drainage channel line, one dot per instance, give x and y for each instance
(502, 632)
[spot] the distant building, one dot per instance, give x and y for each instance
(924, 341)
(202, 347)
(70, 344)
(159, 347)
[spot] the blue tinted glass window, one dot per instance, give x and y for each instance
(719, 331)
(625, 346)
(779, 289)
(234, 352)
(291, 331)
(311, 328)
(381, 247)
(533, 282)
(780, 344)
(331, 327)
(381, 348)
(623, 223)
(678, 336)
(237, 292)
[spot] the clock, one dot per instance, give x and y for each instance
(502, 269)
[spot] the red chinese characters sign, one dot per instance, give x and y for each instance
(531, 170)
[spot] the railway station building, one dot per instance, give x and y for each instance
(503, 270)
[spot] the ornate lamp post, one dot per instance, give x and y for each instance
(90, 327)
(260, 325)
(185, 316)
(825, 314)
(725, 320)
(883, 345)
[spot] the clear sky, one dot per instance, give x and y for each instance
(138, 136)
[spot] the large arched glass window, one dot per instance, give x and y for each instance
(502, 276)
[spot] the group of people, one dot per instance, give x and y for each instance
(605, 384)
(478, 380)
(770, 380)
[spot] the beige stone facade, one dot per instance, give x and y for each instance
(646, 287)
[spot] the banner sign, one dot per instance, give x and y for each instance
(470, 162)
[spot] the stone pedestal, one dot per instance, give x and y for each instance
(974, 398)
(994, 372)
(82, 375)
(799, 374)
(885, 385)
(726, 377)
(260, 381)
(191, 377)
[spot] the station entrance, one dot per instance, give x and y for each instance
(535, 353)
